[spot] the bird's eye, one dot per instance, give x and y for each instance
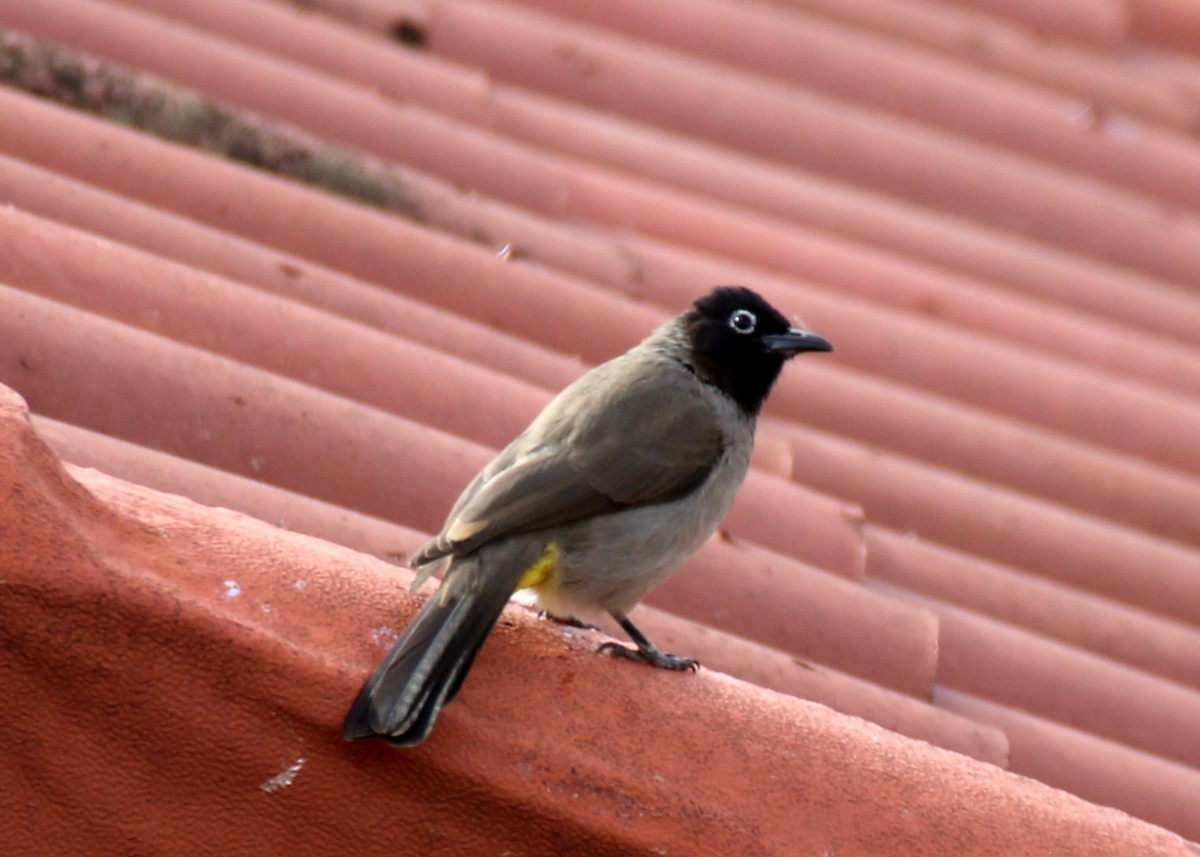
(743, 321)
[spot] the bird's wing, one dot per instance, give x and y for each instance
(638, 444)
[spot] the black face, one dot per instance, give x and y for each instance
(740, 343)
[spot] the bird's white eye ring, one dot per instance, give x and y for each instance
(743, 321)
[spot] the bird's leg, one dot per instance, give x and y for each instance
(646, 651)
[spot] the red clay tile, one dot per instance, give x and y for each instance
(1096, 23)
(838, 548)
(715, 29)
(998, 365)
(1105, 772)
(187, 629)
(829, 538)
(122, 144)
(285, 509)
(804, 199)
(1167, 22)
(618, 203)
(1177, 68)
(808, 131)
(772, 454)
(466, 279)
(464, 95)
(55, 197)
(1032, 534)
(994, 448)
(1098, 344)
(139, 387)
(980, 39)
(257, 424)
(1068, 398)
(1053, 206)
(423, 198)
(773, 600)
(849, 269)
(1147, 641)
(1004, 664)
(1090, 408)
(880, 75)
(228, 318)
(785, 672)
(224, 317)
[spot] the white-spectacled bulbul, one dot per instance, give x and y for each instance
(615, 483)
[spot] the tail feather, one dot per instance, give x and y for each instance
(425, 668)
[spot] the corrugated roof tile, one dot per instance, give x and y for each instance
(160, 642)
(994, 660)
(974, 525)
(1110, 628)
(112, 216)
(1103, 771)
(1046, 538)
(1095, 23)
(983, 39)
(875, 74)
(803, 129)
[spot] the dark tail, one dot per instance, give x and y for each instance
(425, 668)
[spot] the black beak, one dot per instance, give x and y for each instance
(795, 341)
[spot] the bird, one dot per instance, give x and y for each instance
(620, 478)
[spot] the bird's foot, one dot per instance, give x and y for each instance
(651, 655)
(646, 652)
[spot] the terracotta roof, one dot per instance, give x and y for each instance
(316, 264)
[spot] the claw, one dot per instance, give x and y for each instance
(651, 656)
(646, 652)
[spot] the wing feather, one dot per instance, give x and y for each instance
(590, 453)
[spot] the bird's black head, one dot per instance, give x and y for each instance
(739, 343)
